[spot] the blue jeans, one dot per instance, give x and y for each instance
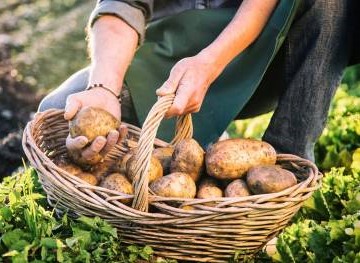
(313, 58)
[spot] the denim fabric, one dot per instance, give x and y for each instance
(312, 58)
(316, 53)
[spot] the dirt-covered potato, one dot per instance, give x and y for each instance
(209, 188)
(188, 157)
(70, 168)
(266, 179)
(174, 185)
(237, 188)
(118, 182)
(155, 171)
(92, 122)
(120, 165)
(88, 177)
(231, 159)
(101, 169)
(164, 156)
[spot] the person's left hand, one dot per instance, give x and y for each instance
(190, 79)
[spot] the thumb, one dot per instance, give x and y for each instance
(71, 108)
(171, 84)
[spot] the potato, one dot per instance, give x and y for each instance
(92, 122)
(269, 179)
(188, 157)
(88, 177)
(101, 169)
(209, 188)
(120, 164)
(231, 159)
(188, 207)
(174, 185)
(164, 156)
(70, 168)
(118, 182)
(237, 188)
(155, 171)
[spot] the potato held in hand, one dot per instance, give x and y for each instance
(231, 159)
(174, 185)
(269, 179)
(90, 122)
(188, 157)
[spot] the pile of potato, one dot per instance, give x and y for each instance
(230, 168)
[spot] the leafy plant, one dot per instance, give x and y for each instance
(31, 232)
(327, 229)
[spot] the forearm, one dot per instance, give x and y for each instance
(112, 44)
(244, 28)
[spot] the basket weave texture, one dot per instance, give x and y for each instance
(203, 234)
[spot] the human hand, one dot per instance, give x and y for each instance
(100, 98)
(190, 79)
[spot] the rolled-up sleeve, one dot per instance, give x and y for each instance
(134, 13)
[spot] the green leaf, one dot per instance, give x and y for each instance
(12, 237)
(133, 249)
(71, 242)
(83, 236)
(133, 257)
(317, 204)
(356, 160)
(107, 228)
(146, 252)
(49, 242)
(337, 229)
(6, 213)
(19, 245)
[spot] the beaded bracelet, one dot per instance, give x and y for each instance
(103, 87)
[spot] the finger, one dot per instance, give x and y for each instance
(180, 102)
(71, 108)
(171, 84)
(112, 138)
(192, 109)
(76, 143)
(123, 132)
(96, 146)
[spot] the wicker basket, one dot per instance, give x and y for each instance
(204, 234)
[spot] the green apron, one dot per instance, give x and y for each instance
(172, 38)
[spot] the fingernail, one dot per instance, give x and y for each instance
(83, 141)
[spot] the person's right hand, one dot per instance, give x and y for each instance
(100, 98)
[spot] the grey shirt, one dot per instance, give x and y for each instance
(138, 13)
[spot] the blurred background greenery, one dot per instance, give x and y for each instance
(46, 39)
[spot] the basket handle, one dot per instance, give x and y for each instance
(184, 129)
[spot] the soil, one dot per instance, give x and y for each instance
(17, 104)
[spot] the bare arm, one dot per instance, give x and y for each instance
(112, 47)
(191, 77)
(244, 28)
